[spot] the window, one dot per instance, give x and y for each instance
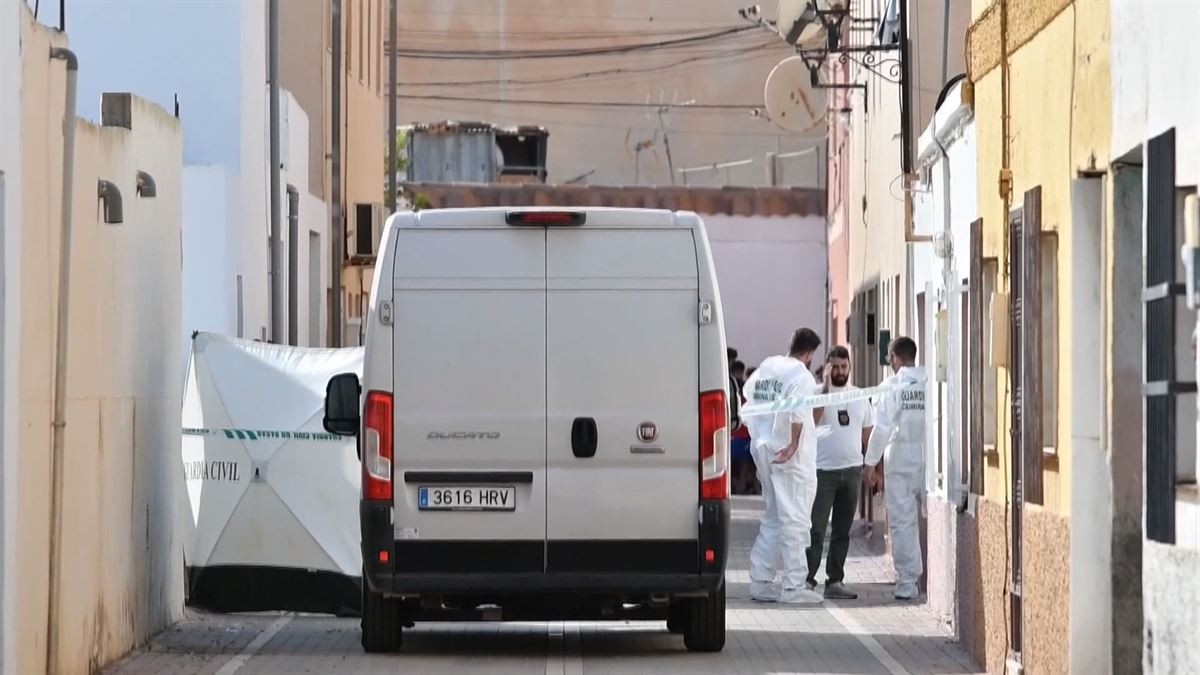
(991, 423)
(1048, 327)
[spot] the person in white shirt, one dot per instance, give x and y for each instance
(839, 477)
(899, 439)
(783, 446)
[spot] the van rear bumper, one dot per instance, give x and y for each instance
(515, 567)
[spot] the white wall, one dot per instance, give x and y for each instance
(314, 216)
(951, 179)
(124, 379)
(210, 198)
(1156, 78)
(772, 274)
(10, 311)
(212, 54)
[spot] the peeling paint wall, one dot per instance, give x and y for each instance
(122, 567)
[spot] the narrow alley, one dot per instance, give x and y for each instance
(871, 635)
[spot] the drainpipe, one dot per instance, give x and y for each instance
(906, 163)
(58, 427)
(392, 150)
(293, 296)
(277, 291)
(336, 230)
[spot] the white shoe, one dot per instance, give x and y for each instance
(800, 596)
(907, 591)
(763, 592)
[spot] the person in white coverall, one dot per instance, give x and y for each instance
(783, 447)
(899, 439)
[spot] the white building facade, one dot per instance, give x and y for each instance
(1156, 167)
(167, 51)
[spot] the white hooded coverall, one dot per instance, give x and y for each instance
(788, 489)
(899, 438)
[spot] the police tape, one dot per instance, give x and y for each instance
(794, 403)
(263, 434)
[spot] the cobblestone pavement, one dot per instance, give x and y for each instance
(873, 634)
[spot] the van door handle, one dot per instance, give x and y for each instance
(584, 437)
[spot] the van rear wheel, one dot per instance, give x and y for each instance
(705, 629)
(382, 629)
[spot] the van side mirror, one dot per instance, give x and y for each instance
(342, 409)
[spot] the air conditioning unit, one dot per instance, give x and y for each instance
(367, 229)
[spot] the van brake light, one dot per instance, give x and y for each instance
(714, 445)
(377, 447)
(545, 217)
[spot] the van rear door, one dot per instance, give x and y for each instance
(622, 388)
(470, 400)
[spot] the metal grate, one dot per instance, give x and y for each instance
(975, 354)
(1031, 347)
(1159, 296)
(1015, 367)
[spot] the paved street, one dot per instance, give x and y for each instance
(869, 635)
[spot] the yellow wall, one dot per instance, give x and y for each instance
(1060, 124)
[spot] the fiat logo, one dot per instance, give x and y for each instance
(647, 432)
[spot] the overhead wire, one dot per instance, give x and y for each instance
(583, 104)
(592, 75)
(560, 122)
(556, 53)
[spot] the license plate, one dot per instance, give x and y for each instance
(466, 498)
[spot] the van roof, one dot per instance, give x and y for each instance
(471, 218)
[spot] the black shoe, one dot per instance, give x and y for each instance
(838, 591)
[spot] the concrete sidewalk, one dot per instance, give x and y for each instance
(873, 634)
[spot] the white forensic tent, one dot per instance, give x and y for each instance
(272, 497)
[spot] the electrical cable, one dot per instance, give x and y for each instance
(593, 74)
(515, 54)
(583, 104)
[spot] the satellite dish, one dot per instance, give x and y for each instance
(799, 24)
(792, 102)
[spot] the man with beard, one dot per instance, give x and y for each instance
(839, 477)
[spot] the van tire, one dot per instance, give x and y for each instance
(705, 630)
(382, 629)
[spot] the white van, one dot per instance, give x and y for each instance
(544, 422)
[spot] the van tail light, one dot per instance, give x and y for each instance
(377, 447)
(714, 445)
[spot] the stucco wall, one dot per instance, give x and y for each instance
(11, 25)
(772, 277)
(1155, 81)
(1172, 606)
(121, 473)
(1045, 591)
